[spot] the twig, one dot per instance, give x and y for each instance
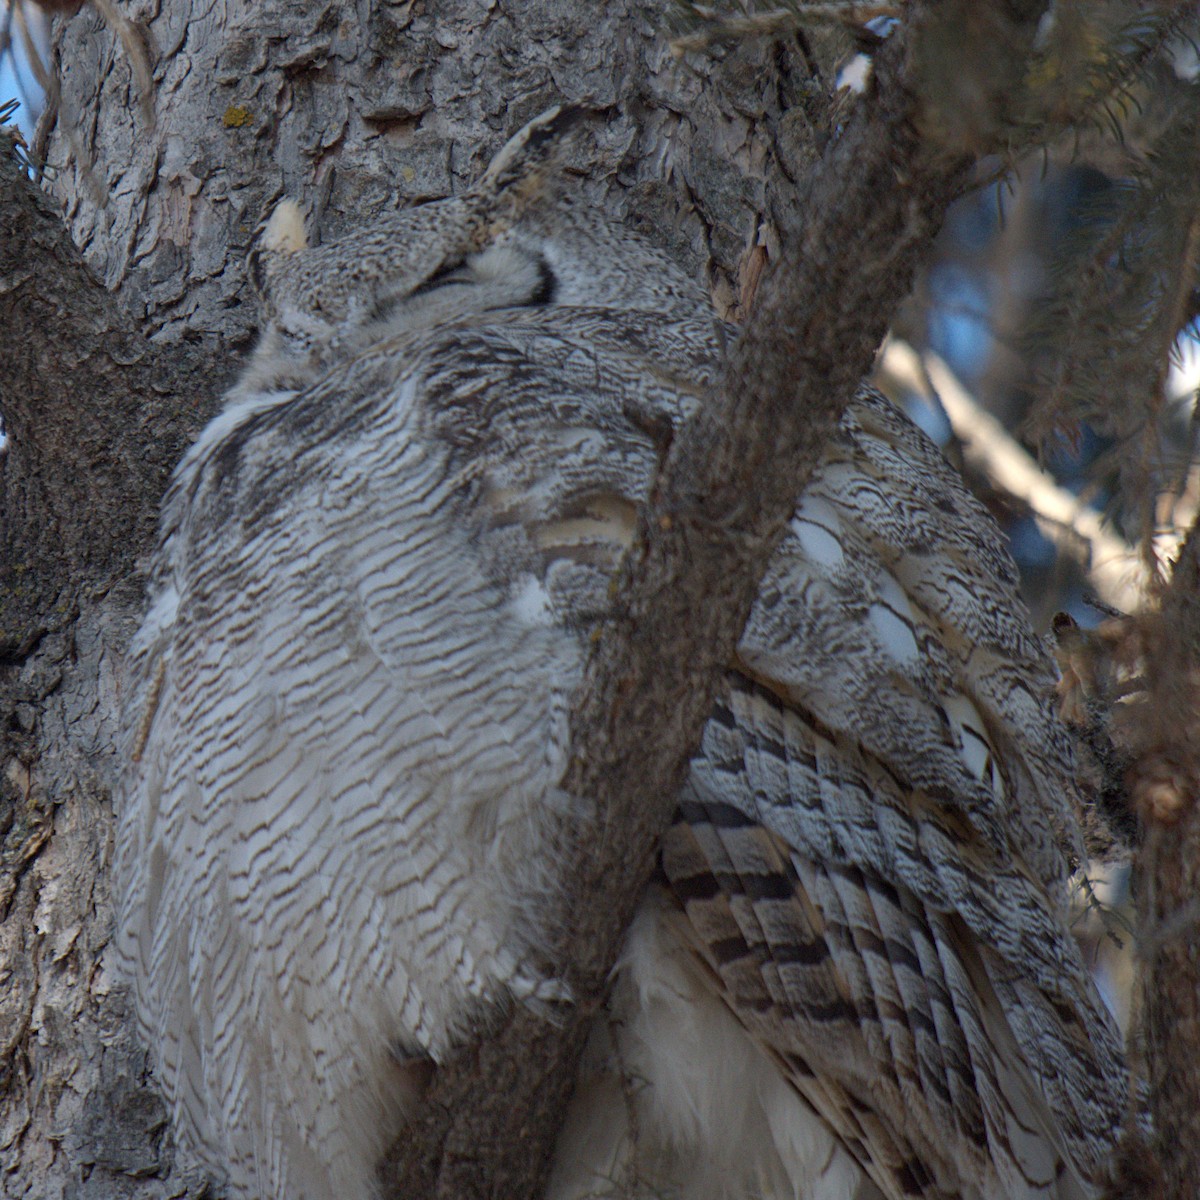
(1113, 567)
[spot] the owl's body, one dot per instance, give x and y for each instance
(378, 575)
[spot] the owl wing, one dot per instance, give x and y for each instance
(870, 850)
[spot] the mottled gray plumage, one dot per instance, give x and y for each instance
(347, 722)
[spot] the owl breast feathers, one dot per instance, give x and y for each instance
(346, 726)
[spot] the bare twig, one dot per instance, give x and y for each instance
(1114, 568)
(135, 50)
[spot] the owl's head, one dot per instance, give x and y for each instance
(514, 239)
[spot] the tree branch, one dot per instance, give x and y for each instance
(1165, 783)
(1114, 568)
(721, 503)
(88, 415)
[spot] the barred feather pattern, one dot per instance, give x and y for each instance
(346, 723)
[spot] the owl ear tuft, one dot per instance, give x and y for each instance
(531, 157)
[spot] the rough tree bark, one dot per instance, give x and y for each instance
(353, 107)
(1164, 782)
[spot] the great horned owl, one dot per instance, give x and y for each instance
(378, 573)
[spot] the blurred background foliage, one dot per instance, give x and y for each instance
(1063, 296)
(1062, 293)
